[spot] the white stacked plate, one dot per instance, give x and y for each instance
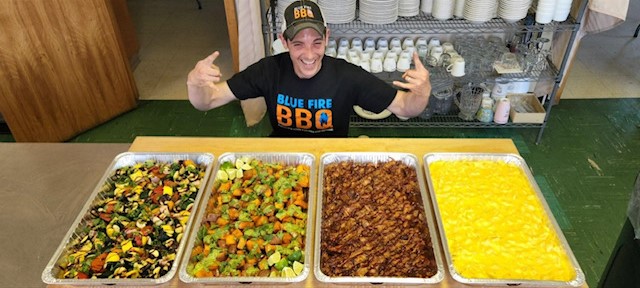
(408, 8)
(338, 11)
(563, 7)
(479, 11)
(442, 9)
(545, 11)
(378, 11)
(426, 6)
(513, 10)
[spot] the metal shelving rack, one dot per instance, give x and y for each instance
(426, 25)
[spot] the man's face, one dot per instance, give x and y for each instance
(306, 50)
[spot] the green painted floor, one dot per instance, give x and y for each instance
(585, 165)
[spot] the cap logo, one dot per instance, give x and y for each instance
(302, 12)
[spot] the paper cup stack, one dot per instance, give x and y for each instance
(442, 9)
(458, 11)
(545, 11)
(563, 7)
(426, 6)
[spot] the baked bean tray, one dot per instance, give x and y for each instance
(494, 222)
(374, 222)
(255, 223)
(133, 228)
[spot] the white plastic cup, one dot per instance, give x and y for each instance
(343, 42)
(436, 52)
(353, 56)
(422, 41)
(369, 42)
(382, 42)
(390, 62)
(404, 62)
(376, 64)
(407, 42)
(331, 51)
(366, 65)
(395, 41)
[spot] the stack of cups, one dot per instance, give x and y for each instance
(561, 13)
(426, 6)
(545, 11)
(331, 49)
(404, 61)
(458, 10)
(390, 62)
(376, 61)
(443, 9)
(422, 48)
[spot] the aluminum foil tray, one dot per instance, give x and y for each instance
(51, 273)
(518, 161)
(284, 158)
(376, 157)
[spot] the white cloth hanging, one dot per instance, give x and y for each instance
(250, 50)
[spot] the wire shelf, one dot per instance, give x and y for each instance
(439, 73)
(436, 121)
(426, 24)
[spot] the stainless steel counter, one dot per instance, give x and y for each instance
(42, 189)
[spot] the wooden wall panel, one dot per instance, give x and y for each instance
(232, 28)
(127, 31)
(63, 68)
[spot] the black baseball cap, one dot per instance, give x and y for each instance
(300, 15)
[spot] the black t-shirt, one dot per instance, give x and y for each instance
(319, 106)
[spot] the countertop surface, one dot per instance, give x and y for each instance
(46, 185)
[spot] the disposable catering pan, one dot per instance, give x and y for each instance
(375, 237)
(135, 222)
(255, 229)
(495, 225)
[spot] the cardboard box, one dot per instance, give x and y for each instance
(525, 108)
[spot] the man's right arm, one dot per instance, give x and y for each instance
(204, 86)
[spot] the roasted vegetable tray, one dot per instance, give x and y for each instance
(379, 226)
(134, 226)
(495, 225)
(255, 223)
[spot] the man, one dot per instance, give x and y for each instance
(306, 93)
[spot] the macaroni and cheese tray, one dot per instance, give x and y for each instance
(133, 228)
(495, 225)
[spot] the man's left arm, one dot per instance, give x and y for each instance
(417, 86)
